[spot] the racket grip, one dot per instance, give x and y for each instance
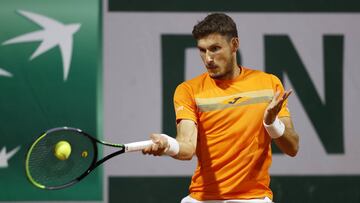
(137, 146)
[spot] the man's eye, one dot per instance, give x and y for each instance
(213, 49)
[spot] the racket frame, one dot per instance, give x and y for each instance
(95, 162)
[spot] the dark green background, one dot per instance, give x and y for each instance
(294, 189)
(235, 6)
(37, 98)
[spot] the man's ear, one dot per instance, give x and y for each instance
(235, 43)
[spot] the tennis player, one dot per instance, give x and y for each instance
(228, 117)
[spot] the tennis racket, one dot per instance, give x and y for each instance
(46, 169)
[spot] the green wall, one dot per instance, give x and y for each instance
(35, 95)
(295, 189)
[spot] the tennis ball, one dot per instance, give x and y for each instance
(62, 150)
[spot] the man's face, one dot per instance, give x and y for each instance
(218, 54)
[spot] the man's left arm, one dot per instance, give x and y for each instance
(288, 143)
(281, 130)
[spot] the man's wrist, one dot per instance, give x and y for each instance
(275, 129)
(173, 146)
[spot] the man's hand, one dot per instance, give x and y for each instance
(159, 147)
(274, 107)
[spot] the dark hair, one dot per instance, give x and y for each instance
(215, 23)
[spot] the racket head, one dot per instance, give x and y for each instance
(44, 170)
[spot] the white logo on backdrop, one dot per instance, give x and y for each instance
(5, 157)
(54, 33)
(5, 73)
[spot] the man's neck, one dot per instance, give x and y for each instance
(236, 71)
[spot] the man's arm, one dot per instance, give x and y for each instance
(186, 137)
(288, 141)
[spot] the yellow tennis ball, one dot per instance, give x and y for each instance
(62, 150)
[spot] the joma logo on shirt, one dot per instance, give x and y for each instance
(234, 100)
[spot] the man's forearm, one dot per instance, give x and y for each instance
(289, 141)
(186, 152)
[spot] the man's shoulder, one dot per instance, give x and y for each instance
(191, 85)
(197, 80)
(255, 72)
(260, 77)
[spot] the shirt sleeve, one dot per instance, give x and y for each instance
(184, 103)
(277, 86)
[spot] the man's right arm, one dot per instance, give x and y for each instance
(186, 138)
(184, 147)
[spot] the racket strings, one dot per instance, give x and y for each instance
(46, 169)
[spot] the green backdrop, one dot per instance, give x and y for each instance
(35, 96)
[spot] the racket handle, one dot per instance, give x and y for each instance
(137, 146)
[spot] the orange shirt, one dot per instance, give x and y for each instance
(233, 148)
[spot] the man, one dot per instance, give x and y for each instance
(228, 117)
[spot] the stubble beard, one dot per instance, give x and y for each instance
(223, 74)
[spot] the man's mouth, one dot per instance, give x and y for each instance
(211, 67)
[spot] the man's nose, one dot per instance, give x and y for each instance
(209, 57)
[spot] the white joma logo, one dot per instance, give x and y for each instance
(5, 157)
(54, 33)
